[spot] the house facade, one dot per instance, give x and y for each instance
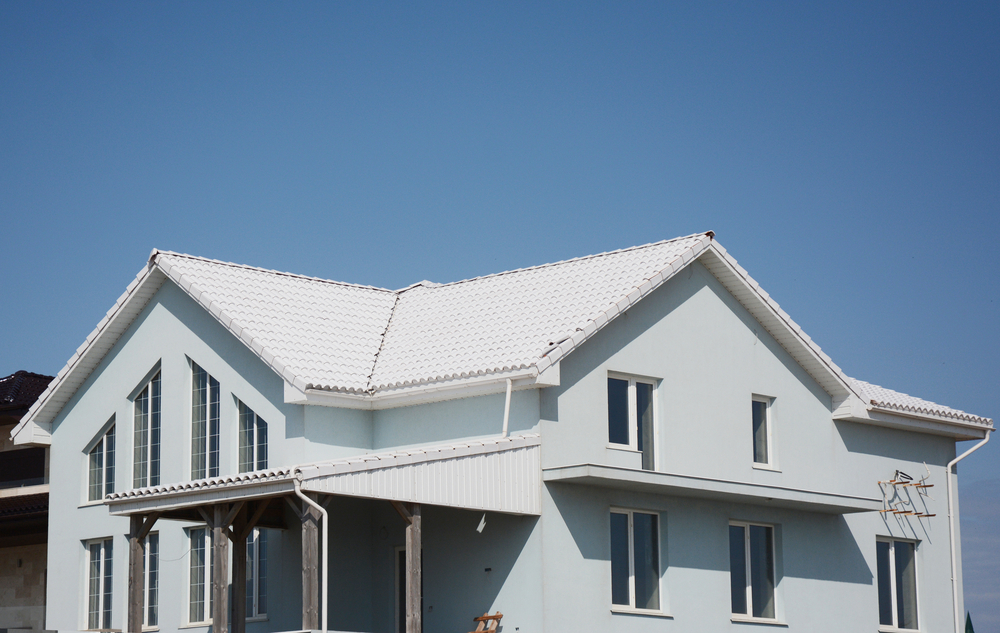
(633, 441)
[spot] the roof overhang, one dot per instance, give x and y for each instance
(706, 488)
(497, 474)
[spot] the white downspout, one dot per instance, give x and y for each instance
(297, 482)
(951, 531)
(506, 408)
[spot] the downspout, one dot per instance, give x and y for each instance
(506, 408)
(951, 531)
(297, 482)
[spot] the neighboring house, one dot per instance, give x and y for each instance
(24, 509)
(634, 441)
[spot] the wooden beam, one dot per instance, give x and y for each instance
(209, 521)
(252, 521)
(402, 510)
(414, 588)
(293, 505)
(135, 574)
(220, 574)
(239, 616)
(232, 513)
(310, 567)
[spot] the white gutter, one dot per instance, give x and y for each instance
(506, 408)
(951, 532)
(297, 482)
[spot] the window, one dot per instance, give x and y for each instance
(635, 560)
(101, 467)
(897, 583)
(761, 415)
(751, 569)
(146, 462)
(99, 585)
(257, 574)
(630, 416)
(253, 440)
(151, 577)
(204, 424)
(200, 576)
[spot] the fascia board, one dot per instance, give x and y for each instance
(708, 488)
(418, 394)
(191, 498)
(35, 426)
(959, 431)
(778, 323)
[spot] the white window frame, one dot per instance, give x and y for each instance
(633, 413)
(892, 583)
(103, 591)
(748, 616)
(147, 564)
(631, 608)
(771, 463)
(147, 388)
(206, 535)
(254, 447)
(209, 470)
(101, 445)
(253, 574)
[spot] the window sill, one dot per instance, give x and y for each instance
(195, 625)
(91, 504)
(624, 447)
(773, 469)
(622, 610)
(891, 629)
(746, 619)
(258, 618)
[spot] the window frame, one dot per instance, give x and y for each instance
(630, 607)
(894, 627)
(633, 414)
(255, 445)
(748, 616)
(100, 443)
(210, 469)
(771, 463)
(149, 561)
(105, 599)
(207, 598)
(152, 427)
(253, 574)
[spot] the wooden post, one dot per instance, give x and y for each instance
(414, 589)
(310, 567)
(239, 538)
(135, 574)
(220, 575)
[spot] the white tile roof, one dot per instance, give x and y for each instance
(883, 398)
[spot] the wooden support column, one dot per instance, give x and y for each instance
(310, 567)
(220, 574)
(139, 527)
(414, 587)
(239, 538)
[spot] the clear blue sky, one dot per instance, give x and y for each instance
(848, 157)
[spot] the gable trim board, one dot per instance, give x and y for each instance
(495, 474)
(384, 318)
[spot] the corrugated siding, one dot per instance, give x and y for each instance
(502, 481)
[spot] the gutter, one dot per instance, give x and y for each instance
(297, 482)
(951, 531)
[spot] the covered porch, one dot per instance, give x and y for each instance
(500, 475)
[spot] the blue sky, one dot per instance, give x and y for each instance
(848, 157)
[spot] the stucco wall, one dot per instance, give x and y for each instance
(22, 587)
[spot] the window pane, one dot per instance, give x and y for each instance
(152, 578)
(261, 444)
(646, 561)
(141, 441)
(154, 431)
(619, 559)
(644, 418)
(762, 571)
(617, 411)
(760, 432)
(109, 461)
(196, 612)
(108, 567)
(199, 420)
(96, 473)
(261, 572)
(738, 568)
(246, 438)
(94, 588)
(906, 585)
(884, 583)
(213, 427)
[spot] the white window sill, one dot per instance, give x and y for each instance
(623, 610)
(748, 619)
(773, 469)
(195, 625)
(90, 504)
(891, 629)
(623, 447)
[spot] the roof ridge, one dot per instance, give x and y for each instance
(711, 234)
(156, 252)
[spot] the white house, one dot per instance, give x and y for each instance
(639, 440)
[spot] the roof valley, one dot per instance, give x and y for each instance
(388, 322)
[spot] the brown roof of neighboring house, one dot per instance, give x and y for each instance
(19, 391)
